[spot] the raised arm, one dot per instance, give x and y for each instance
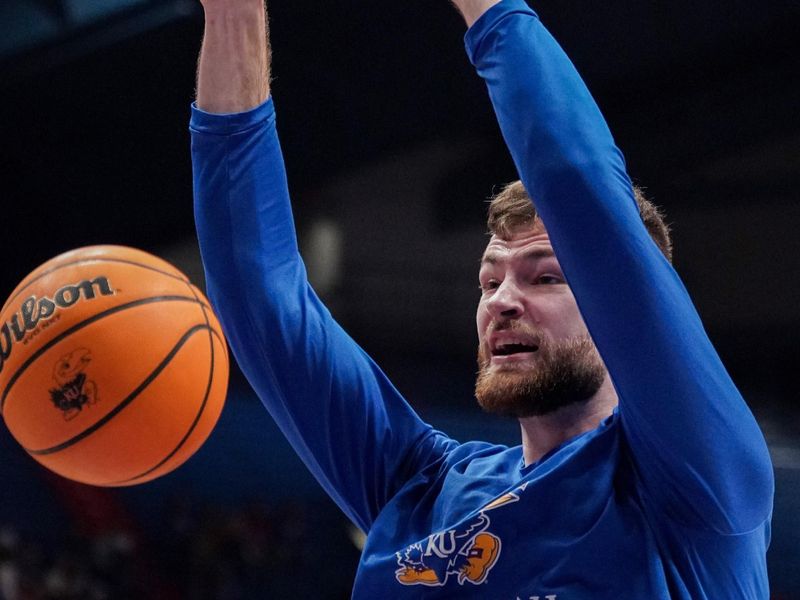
(338, 410)
(692, 438)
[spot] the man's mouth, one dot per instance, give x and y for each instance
(514, 348)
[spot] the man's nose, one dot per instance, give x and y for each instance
(506, 302)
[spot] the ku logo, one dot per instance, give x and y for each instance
(466, 554)
(73, 391)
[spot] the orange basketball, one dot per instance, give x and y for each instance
(113, 368)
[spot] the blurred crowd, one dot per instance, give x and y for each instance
(99, 568)
(196, 553)
(250, 552)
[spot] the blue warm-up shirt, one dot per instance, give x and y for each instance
(670, 497)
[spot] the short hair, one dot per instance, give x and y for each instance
(512, 208)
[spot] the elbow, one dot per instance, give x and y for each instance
(761, 484)
(750, 492)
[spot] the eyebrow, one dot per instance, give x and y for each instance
(492, 258)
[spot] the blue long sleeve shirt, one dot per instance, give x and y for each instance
(670, 497)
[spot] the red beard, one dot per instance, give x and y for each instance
(558, 374)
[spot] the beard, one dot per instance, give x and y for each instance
(559, 374)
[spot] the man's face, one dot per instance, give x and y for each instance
(534, 354)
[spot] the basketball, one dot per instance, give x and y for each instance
(113, 367)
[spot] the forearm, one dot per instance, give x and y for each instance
(471, 10)
(234, 68)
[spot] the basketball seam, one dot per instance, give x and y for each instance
(119, 407)
(86, 322)
(201, 410)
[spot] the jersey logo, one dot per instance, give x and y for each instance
(73, 391)
(466, 554)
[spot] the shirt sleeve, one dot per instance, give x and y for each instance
(694, 442)
(341, 414)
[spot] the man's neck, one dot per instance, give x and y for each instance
(542, 434)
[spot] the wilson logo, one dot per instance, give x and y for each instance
(35, 310)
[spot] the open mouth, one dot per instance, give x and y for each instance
(510, 349)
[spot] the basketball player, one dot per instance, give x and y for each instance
(641, 475)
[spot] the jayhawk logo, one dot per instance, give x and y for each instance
(73, 391)
(467, 554)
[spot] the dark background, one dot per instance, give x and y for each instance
(392, 147)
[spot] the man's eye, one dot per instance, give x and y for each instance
(490, 285)
(549, 279)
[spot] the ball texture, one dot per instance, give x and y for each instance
(113, 367)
